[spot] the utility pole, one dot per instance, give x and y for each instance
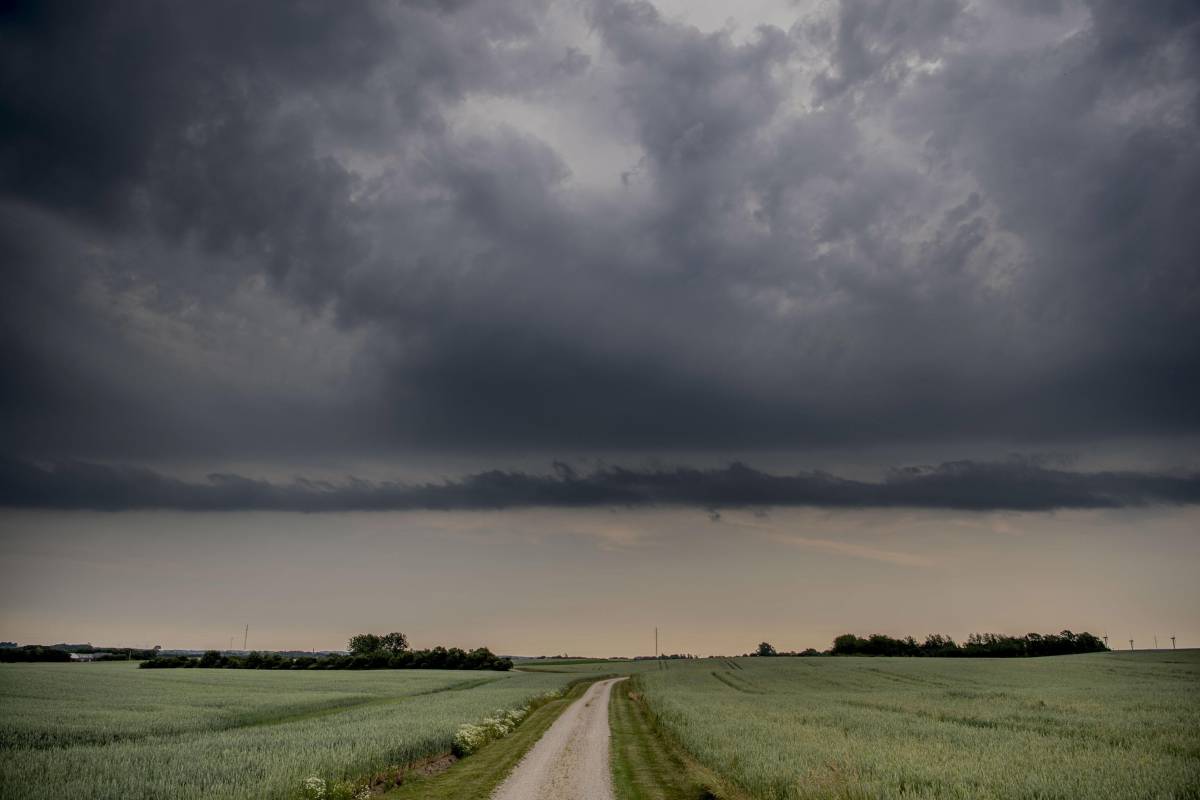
(656, 641)
(1106, 640)
(1156, 641)
(1131, 645)
(246, 636)
(1172, 642)
(231, 644)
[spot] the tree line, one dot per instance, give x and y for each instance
(978, 645)
(32, 652)
(366, 651)
(57, 653)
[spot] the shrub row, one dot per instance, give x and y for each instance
(978, 645)
(435, 658)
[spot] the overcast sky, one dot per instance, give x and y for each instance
(467, 265)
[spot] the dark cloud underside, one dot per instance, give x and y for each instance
(1017, 485)
(263, 230)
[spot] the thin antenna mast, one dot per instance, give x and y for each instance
(246, 636)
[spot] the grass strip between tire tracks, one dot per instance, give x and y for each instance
(648, 764)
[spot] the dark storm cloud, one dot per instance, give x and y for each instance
(874, 37)
(237, 231)
(1015, 485)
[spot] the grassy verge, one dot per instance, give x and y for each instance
(475, 777)
(648, 764)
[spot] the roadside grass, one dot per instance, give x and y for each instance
(476, 776)
(647, 764)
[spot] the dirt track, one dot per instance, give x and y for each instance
(570, 761)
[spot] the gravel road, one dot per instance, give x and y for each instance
(570, 761)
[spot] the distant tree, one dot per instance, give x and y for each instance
(936, 644)
(363, 643)
(848, 644)
(765, 649)
(393, 643)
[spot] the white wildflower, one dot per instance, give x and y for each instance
(469, 738)
(500, 723)
(314, 788)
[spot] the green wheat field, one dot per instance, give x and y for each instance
(112, 731)
(1107, 725)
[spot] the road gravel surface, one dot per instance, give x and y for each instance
(570, 761)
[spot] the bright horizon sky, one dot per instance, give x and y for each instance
(596, 582)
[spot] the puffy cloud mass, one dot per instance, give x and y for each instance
(239, 230)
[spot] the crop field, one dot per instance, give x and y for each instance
(113, 731)
(1098, 726)
(597, 666)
